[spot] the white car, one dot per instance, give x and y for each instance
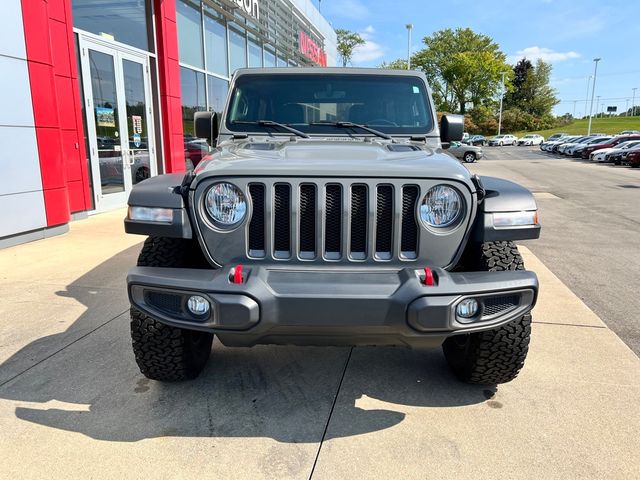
(500, 140)
(600, 155)
(530, 139)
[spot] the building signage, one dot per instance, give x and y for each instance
(311, 50)
(251, 7)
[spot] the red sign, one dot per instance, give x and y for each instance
(311, 50)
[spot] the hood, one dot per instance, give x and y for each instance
(336, 157)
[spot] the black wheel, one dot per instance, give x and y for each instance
(493, 356)
(469, 157)
(164, 352)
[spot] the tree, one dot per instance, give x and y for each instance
(530, 90)
(347, 42)
(462, 66)
(398, 64)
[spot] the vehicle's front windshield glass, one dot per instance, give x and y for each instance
(389, 103)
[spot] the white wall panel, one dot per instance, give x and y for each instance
(15, 92)
(12, 29)
(19, 165)
(21, 212)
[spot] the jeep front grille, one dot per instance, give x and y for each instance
(310, 220)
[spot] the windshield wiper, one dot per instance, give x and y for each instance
(271, 123)
(355, 125)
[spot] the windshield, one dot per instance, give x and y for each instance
(389, 103)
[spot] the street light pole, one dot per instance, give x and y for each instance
(593, 91)
(409, 27)
(501, 97)
(633, 103)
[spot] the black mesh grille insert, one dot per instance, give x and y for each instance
(282, 218)
(409, 241)
(333, 219)
(166, 302)
(257, 225)
(308, 218)
(359, 213)
(497, 305)
(384, 219)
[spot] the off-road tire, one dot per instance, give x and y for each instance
(164, 352)
(493, 356)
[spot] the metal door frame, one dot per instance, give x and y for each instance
(86, 43)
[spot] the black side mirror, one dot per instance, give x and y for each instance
(206, 125)
(451, 128)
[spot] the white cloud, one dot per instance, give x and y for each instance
(371, 50)
(545, 54)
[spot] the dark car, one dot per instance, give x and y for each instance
(611, 142)
(477, 140)
(633, 158)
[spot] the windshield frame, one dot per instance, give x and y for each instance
(228, 127)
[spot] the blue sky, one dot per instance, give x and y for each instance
(568, 33)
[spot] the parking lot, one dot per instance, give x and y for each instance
(74, 405)
(591, 227)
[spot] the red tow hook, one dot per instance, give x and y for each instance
(429, 279)
(235, 275)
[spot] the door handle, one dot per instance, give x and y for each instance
(131, 159)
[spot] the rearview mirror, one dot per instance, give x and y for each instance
(451, 128)
(206, 125)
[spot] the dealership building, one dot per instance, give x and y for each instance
(98, 95)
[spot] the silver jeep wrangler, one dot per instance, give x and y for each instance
(328, 214)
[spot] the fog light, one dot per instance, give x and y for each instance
(467, 308)
(198, 305)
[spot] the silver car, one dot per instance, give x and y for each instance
(464, 152)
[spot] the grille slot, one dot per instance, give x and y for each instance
(282, 221)
(333, 221)
(384, 221)
(257, 224)
(409, 235)
(359, 214)
(167, 302)
(307, 238)
(497, 305)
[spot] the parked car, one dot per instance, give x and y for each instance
(531, 139)
(577, 150)
(347, 243)
(556, 136)
(548, 145)
(478, 140)
(611, 142)
(633, 158)
(466, 153)
(623, 159)
(500, 140)
(569, 142)
(629, 132)
(610, 154)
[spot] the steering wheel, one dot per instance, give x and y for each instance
(382, 121)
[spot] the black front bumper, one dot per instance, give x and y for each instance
(331, 306)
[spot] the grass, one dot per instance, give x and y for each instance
(598, 125)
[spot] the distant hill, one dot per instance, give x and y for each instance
(598, 125)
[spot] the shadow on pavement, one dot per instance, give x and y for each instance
(93, 386)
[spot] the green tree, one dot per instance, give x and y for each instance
(462, 66)
(530, 90)
(347, 42)
(398, 64)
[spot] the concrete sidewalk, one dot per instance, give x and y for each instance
(73, 404)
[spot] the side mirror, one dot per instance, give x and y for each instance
(451, 128)
(206, 125)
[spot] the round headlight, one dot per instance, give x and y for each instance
(441, 206)
(226, 204)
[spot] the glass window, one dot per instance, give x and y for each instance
(215, 36)
(255, 53)
(393, 104)
(269, 58)
(189, 33)
(193, 97)
(282, 62)
(218, 89)
(237, 50)
(125, 21)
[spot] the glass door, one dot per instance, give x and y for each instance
(119, 121)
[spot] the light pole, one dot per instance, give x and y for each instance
(633, 103)
(501, 97)
(586, 98)
(409, 28)
(593, 91)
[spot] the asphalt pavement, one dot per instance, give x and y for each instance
(74, 405)
(590, 215)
